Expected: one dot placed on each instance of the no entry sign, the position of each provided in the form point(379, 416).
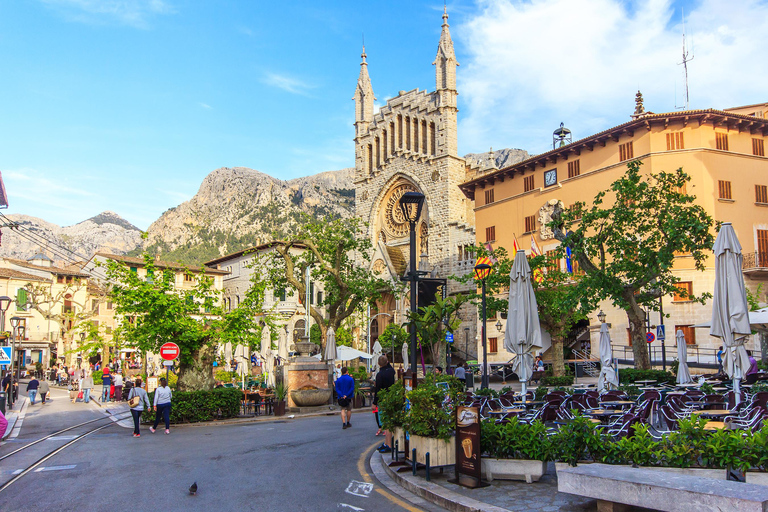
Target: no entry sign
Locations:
point(650, 337)
point(169, 351)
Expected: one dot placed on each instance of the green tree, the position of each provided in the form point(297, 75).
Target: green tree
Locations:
point(337, 256)
point(433, 321)
point(392, 339)
point(626, 242)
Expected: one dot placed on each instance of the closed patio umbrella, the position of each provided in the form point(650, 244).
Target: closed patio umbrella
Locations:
point(523, 332)
point(683, 375)
point(608, 377)
point(405, 357)
point(330, 345)
point(282, 345)
point(730, 311)
point(375, 358)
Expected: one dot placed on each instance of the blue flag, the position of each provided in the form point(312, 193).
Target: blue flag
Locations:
point(568, 262)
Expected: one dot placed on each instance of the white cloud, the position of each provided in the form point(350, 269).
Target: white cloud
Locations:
point(530, 65)
point(288, 84)
point(134, 13)
point(205, 106)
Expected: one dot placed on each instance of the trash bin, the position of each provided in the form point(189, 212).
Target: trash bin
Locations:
point(2, 402)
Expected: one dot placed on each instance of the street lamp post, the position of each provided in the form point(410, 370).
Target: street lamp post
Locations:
point(5, 302)
point(15, 321)
point(80, 352)
point(411, 204)
point(482, 271)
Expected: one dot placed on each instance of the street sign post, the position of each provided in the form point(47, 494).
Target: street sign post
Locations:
point(649, 337)
point(169, 351)
point(449, 337)
point(6, 356)
point(660, 333)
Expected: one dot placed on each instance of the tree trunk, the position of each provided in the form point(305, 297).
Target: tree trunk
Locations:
point(558, 357)
point(639, 345)
point(199, 374)
point(764, 347)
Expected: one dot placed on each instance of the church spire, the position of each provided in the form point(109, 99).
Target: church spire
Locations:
point(445, 62)
point(363, 98)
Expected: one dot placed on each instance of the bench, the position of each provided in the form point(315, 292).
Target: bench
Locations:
point(618, 487)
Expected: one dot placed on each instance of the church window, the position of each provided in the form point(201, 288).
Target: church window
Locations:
point(378, 153)
point(400, 131)
point(392, 131)
point(384, 143)
point(415, 135)
point(424, 137)
point(433, 138)
point(408, 133)
point(370, 158)
point(528, 183)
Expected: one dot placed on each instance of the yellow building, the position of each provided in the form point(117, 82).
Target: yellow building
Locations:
point(722, 151)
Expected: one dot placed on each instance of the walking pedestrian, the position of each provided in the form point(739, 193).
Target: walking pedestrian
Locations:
point(106, 381)
point(118, 387)
point(87, 385)
point(720, 359)
point(136, 410)
point(43, 389)
point(162, 406)
point(384, 379)
point(32, 387)
point(461, 374)
point(345, 391)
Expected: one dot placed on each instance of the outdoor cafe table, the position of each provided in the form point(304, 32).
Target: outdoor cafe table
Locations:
point(619, 403)
point(529, 403)
point(645, 382)
point(702, 404)
point(689, 385)
point(713, 413)
point(603, 414)
point(714, 425)
point(503, 413)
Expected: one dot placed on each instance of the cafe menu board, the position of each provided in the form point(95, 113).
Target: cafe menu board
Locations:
point(468, 465)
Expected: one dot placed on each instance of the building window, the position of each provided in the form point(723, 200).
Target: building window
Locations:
point(94, 305)
point(107, 330)
point(424, 148)
point(493, 345)
point(761, 194)
point(490, 234)
point(408, 133)
point(378, 152)
point(724, 188)
point(21, 299)
point(311, 292)
point(626, 151)
point(135, 270)
point(530, 223)
point(415, 135)
point(433, 138)
point(528, 183)
point(109, 304)
point(60, 279)
point(319, 298)
point(682, 190)
point(384, 144)
point(721, 141)
point(370, 157)
point(758, 148)
point(689, 332)
point(279, 295)
point(573, 169)
point(489, 196)
point(762, 247)
point(684, 291)
point(675, 141)
point(188, 278)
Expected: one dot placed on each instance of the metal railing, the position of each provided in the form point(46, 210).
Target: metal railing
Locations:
point(588, 365)
point(754, 260)
point(699, 357)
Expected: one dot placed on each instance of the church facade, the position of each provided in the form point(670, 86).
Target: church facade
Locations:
point(410, 144)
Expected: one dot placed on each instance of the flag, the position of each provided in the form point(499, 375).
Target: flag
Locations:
point(568, 262)
point(490, 253)
point(515, 247)
point(538, 276)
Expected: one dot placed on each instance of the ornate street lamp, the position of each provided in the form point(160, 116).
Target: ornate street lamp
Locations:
point(499, 326)
point(411, 204)
point(601, 316)
point(482, 271)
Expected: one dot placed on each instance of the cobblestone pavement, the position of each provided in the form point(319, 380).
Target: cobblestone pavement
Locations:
point(519, 496)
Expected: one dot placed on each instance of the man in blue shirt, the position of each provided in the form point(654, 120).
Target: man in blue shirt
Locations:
point(345, 391)
point(106, 380)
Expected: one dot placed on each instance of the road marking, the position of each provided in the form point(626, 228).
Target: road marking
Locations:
point(61, 438)
point(394, 499)
point(341, 505)
point(19, 421)
point(362, 489)
point(56, 468)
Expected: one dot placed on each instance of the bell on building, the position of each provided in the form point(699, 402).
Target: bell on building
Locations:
point(561, 137)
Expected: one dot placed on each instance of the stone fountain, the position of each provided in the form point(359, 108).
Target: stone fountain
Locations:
point(308, 379)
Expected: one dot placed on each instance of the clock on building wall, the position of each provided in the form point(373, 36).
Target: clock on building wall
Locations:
point(550, 177)
point(394, 222)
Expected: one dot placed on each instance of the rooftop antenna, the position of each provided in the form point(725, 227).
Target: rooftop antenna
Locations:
point(687, 57)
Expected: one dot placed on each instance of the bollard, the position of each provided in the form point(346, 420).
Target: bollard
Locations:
point(413, 461)
point(394, 452)
point(426, 460)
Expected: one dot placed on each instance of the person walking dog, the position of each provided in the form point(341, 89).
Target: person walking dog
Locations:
point(136, 400)
point(162, 406)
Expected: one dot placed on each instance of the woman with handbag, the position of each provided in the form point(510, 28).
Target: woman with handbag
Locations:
point(136, 400)
point(162, 406)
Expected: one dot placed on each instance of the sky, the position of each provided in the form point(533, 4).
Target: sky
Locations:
point(126, 105)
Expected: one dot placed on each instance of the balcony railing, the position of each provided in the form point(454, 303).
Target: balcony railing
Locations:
point(755, 260)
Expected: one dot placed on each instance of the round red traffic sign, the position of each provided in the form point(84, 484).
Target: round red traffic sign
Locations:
point(649, 337)
point(169, 351)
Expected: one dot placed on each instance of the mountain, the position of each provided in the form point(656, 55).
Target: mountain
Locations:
point(106, 231)
point(236, 208)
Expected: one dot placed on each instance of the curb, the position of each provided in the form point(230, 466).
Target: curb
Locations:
point(434, 493)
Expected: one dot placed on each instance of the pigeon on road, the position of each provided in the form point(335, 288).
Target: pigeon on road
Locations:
point(193, 489)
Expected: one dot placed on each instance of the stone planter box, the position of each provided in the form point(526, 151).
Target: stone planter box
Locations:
point(441, 453)
point(310, 397)
point(398, 436)
point(753, 477)
point(513, 469)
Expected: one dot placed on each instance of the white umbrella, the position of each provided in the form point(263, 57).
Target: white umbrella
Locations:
point(523, 329)
point(730, 311)
point(683, 375)
point(330, 345)
point(228, 353)
point(344, 353)
point(266, 342)
point(608, 377)
point(269, 365)
point(376, 355)
point(405, 356)
point(282, 345)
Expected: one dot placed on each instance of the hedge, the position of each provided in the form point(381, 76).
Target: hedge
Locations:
point(551, 380)
point(197, 406)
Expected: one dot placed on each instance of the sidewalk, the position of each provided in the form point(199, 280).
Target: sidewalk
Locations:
point(15, 417)
point(499, 496)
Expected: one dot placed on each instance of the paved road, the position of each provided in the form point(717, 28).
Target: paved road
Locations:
point(299, 464)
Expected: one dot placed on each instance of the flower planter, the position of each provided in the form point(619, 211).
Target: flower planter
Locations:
point(513, 469)
point(398, 436)
point(280, 408)
point(310, 397)
point(441, 453)
point(357, 402)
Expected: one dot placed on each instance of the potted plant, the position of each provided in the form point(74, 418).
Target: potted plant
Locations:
point(430, 423)
point(515, 450)
point(391, 403)
point(360, 374)
point(281, 392)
